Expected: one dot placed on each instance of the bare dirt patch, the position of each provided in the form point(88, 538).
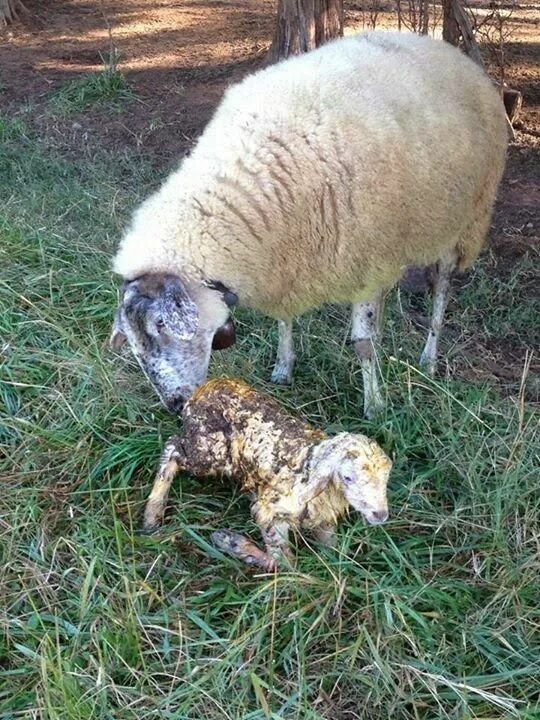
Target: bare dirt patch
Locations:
point(177, 58)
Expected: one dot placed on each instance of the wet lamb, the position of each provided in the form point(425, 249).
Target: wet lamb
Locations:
point(299, 478)
point(320, 179)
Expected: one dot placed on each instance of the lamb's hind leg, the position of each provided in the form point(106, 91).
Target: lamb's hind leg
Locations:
point(171, 463)
point(242, 548)
point(283, 369)
point(366, 321)
point(276, 540)
point(443, 273)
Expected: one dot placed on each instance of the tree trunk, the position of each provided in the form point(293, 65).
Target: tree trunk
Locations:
point(457, 26)
point(450, 31)
point(9, 9)
point(303, 25)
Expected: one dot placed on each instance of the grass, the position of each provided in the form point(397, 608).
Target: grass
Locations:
point(435, 615)
point(106, 87)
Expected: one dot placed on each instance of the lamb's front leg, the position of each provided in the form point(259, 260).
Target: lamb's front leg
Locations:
point(172, 461)
point(283, 369)
point(276, 540)
point(325, 535)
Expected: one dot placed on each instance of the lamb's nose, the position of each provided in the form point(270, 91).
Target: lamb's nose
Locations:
point(379, 516)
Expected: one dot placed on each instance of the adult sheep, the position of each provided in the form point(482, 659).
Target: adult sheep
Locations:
point(319, 179)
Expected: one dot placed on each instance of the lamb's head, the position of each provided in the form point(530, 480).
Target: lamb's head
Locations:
point(362, 470)
point(358, 467)
point(171, 331)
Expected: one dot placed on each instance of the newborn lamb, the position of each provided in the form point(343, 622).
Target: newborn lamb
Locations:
point(298, 477)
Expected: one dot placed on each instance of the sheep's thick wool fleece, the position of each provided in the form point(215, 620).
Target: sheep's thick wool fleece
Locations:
point(322, 177)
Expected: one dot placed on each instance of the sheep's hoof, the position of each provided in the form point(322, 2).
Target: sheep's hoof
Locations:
point(428, 364)
point(281, 376)
point(373, 406)
point(372, 412)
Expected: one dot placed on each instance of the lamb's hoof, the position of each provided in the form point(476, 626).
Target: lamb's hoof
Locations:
point(281, 376)
point(239, 547)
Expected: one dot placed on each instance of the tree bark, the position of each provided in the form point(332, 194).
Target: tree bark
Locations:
point(450, 30)
point(303, 25)
point(9, 9)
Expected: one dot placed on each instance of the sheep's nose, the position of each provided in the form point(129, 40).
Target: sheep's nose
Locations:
point(379, 516)
point(176, 405)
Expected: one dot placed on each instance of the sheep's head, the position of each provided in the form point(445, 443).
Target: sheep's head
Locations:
point(362, 471)
point(171, 331)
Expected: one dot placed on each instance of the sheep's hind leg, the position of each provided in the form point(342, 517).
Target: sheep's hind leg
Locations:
point(170, 465)
point(366, 321)
point(283, 369)
point(238, 546)
point(428, 359)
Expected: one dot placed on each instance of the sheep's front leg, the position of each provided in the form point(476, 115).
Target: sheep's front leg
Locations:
point(242, 548)
point(366, 320)
point(428, 359)
point(283, 369)
point(172, 461)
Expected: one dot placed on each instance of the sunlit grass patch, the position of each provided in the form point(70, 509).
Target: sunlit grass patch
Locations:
point(107, 87)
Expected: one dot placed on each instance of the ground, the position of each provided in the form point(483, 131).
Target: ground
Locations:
point(178, 58)
point(436, 614)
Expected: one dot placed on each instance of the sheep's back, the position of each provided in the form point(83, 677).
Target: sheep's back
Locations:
point(322, 177)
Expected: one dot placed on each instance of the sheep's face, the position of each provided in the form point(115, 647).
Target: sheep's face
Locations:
point(171, 333)
point(363, 474)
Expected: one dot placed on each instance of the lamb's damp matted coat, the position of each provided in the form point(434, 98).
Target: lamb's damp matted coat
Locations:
point(293, 472)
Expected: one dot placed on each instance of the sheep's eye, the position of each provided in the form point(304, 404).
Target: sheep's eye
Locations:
point(348, 479)
point(160, 324)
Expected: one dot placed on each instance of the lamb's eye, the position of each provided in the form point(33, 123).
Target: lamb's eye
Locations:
point(160, 324)
point(348, 479)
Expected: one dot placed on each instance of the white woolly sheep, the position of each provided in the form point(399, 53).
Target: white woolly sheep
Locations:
point(298, 477)
point(319, 179)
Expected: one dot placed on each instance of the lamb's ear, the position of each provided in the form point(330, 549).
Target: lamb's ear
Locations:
point(117, 338)
point(316, 484)
point(225, 336)
point(178, 311)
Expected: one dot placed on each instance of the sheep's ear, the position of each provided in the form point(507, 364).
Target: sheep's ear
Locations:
point(118, 337)
point(178, 311)
point(225, 336)
point(230, 298)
